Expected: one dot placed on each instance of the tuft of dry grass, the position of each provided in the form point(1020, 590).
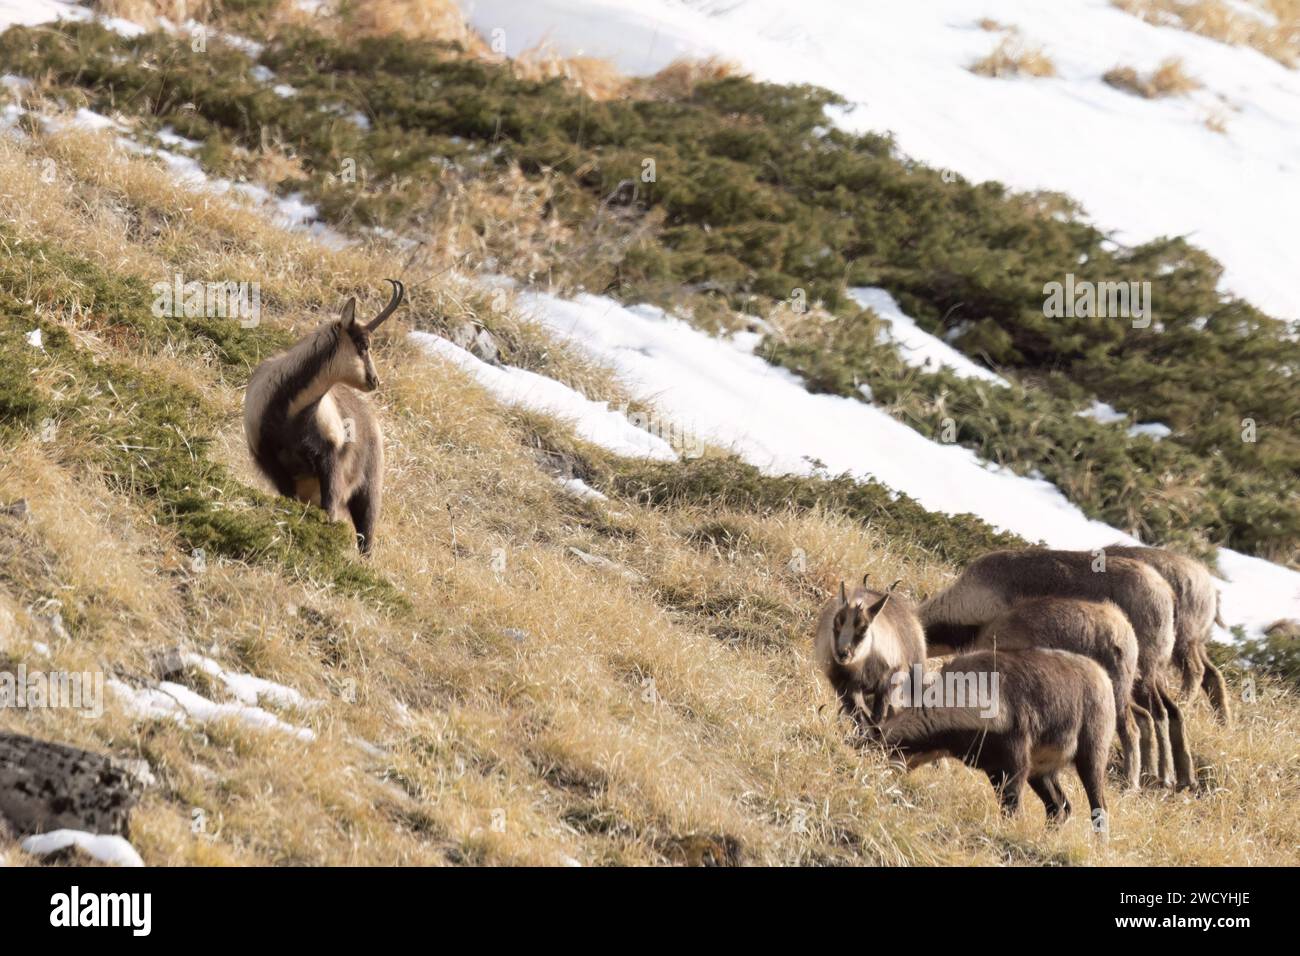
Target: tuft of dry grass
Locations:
point(1012, 57)
point(592, 76)
point(439, 20)
point(1270, 26)
point(678, 80)
point(1168, 79)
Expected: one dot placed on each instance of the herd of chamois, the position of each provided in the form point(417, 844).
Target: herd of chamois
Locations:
point(1086, 647)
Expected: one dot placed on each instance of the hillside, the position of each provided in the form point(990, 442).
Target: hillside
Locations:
point(576, 642)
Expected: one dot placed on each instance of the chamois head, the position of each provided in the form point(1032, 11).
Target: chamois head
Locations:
point(853, 622)
point(353, 364)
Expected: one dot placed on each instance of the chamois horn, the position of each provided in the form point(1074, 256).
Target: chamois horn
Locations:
point(398, 291)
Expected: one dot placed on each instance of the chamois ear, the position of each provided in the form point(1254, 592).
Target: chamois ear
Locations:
point(349, 313)
point(880, 605)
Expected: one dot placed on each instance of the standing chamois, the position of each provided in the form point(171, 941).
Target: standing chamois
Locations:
point(310, 433)
point(861, 642)
point(993, 583)
point(1097, 630)
point(1053, 708)
point(1196, 611)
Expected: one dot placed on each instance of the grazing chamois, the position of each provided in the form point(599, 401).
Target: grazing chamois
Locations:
point(1053, 708)
point(862, 640)
point(1196, 611)
point(308, 429)
point(1096, 629)
point(991, 584)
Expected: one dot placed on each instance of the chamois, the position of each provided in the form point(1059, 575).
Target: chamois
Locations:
point(1196, 611)
point(994, 582)
point(1053, 708)
point(861, 641)
point(308, 429)
point(1097, 630)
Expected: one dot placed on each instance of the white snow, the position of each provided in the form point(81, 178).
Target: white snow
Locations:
point(32, 12)
point(113, 850)
point(580, 489)
point(737, 400)
point(1142, 168)
point(1156, 430)
point(1107, 414)
point(1103, 412)
point(172, 701)
point(247, 688)
point(917, 347)
point(594, 421)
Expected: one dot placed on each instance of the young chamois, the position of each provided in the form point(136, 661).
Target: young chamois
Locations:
point(1096, 629)
point(993, 583)
point(308, 429)
point(861, 642)
point(1196, 611)
point(1053, 708)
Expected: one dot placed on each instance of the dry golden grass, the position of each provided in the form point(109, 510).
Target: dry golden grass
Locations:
point(1013, 57)
point(592, 76)
point(678, 80)
point(1168, 79)
point(676, 718)
point(1274, 31)
point(440, 20)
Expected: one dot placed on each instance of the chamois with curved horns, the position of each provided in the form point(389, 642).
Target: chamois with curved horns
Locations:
point(1051, 709)
point(1096, 629)
point(993, 583)
point(308, 428)
point(861, 641)
point(1196, 611)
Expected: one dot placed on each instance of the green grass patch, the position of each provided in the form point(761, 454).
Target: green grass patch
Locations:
point(149, 435)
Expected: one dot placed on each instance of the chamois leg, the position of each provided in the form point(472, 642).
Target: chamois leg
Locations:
point(1182, 756)
point(1126, 730)
point(1090, 763)
point(880, 706)
point(1153, 702)
point(1194, 671)
point(1009, 782)
point(363, 519)
point(329, 490)
point(1054, 781)
point(1147, 732)
point(1215, 688)
point(1058, 808)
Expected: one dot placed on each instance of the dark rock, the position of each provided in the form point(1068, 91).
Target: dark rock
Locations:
point(46, 786)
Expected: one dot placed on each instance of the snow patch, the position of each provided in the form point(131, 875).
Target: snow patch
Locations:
point(917, 347)
point(594, 421)
point(110, 849)
point(765, 414)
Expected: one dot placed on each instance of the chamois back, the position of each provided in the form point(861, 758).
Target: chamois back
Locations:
point(1053, 708)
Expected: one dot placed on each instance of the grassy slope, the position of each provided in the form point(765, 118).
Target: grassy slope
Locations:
point(753, 199)
point(677, 718)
